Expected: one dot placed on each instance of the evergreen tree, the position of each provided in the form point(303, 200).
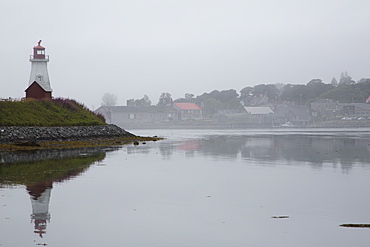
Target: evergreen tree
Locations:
point(345, 79)
point(334, 82)
point(165, 99)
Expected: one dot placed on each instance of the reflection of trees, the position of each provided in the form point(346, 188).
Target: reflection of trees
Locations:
point(227, 146)
point(315, 150)
point(24, 168)
point(312, 149)
point(166, 150)
point(318, 150)
point(143, 149)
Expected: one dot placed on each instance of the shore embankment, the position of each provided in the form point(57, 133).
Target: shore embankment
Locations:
point(19, 134)
point(32, 138)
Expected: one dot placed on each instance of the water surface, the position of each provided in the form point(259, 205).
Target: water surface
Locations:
point(195, 188)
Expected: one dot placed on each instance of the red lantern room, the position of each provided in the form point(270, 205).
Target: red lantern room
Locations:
point(39, 51)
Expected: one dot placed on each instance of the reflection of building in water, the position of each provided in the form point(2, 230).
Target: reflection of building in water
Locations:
point(40, 198)
point(190, 145)
point(40, 169)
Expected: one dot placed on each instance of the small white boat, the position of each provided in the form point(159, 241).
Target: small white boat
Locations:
point(288, 125)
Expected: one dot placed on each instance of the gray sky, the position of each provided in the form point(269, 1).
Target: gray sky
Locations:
point(132, 48)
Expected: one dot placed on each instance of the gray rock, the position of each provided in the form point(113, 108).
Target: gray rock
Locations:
point(33, 134)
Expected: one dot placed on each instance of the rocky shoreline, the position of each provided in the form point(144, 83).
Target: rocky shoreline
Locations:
point(73, 133)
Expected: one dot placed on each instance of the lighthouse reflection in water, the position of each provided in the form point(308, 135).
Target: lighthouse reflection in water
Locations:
point(38, 171)
point(40, 198)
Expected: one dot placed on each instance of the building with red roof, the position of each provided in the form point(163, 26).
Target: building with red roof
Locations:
point(188, 110)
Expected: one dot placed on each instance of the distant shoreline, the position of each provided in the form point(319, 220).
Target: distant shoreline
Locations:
point(324, 124)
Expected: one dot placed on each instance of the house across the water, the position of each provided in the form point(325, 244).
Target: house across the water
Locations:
point(123, 115)
point(188, 110)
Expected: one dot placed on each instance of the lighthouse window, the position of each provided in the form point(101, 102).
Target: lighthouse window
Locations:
point(40, 52)
point(39, 78)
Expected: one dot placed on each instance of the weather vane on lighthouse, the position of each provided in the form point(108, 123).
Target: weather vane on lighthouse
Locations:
point(39, 83)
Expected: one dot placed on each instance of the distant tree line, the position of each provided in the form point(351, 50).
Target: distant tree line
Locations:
point(345, 91)
point(145, 101)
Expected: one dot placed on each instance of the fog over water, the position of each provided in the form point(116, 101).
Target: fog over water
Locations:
point(195, 188)
point(132, 48)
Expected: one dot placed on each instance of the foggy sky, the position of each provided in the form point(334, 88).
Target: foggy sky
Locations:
point(132, 48)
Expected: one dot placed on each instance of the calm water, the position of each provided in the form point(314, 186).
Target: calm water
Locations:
point(196, 188)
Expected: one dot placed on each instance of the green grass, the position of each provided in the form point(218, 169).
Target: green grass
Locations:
point(47, 113)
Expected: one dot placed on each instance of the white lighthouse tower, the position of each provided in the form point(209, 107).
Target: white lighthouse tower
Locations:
point(39, 83)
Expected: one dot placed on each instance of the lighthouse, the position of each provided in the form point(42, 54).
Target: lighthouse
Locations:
point(39, 83)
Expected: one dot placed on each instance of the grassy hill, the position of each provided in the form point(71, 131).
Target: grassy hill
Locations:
point(47, 113)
